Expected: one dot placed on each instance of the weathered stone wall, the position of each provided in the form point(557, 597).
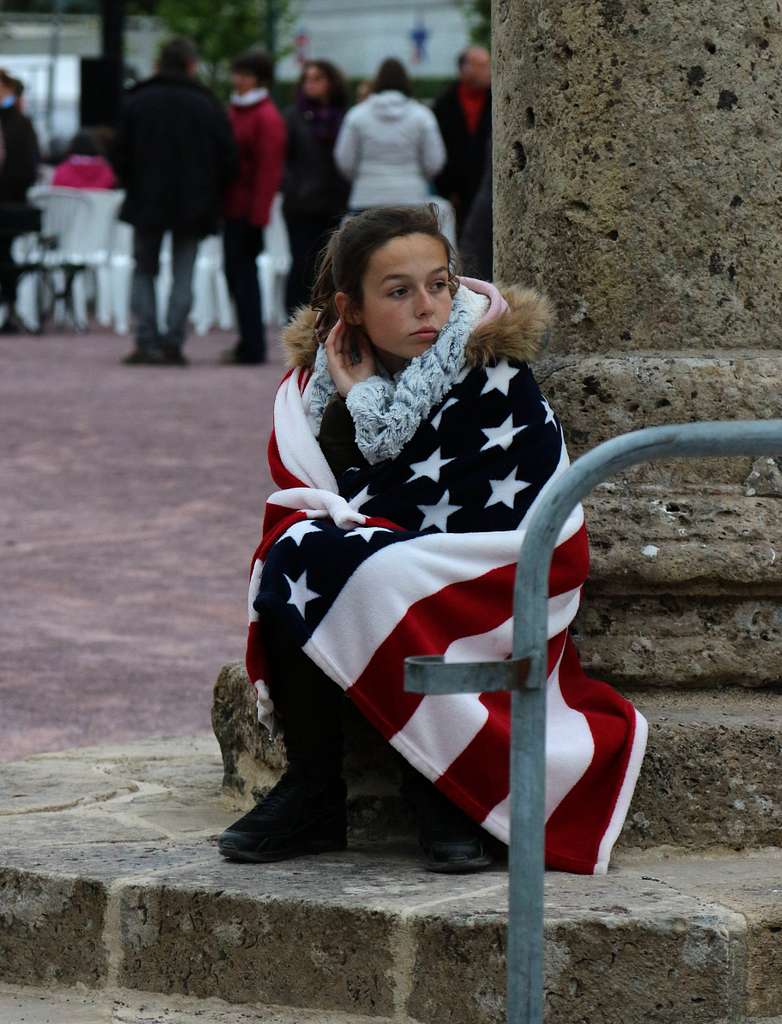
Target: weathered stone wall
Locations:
point(637, 168)
point(638, 181)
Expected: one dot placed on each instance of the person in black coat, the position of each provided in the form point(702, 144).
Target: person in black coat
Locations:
point(175, 156)
point(477, 237)
point(464, 115)
point(18, 171)
point(315, 195)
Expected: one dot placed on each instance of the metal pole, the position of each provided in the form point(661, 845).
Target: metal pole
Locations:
point(271, 27)
point(530, 640)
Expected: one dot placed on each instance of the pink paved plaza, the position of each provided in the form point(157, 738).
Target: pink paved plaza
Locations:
point(130, 503)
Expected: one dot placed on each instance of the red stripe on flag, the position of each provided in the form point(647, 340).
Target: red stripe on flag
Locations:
point(579, 822)
point(478, 779)
point(430, 626)
point(280, 475)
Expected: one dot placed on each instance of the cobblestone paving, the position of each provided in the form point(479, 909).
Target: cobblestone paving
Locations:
point(130, 501)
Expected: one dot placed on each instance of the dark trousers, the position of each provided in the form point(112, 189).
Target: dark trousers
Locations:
point(146, 252)
point(242, 244)
point(307, 237)
point(308, 704)
point(9, 278)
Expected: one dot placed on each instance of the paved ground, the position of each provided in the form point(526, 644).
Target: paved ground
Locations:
point(130, 502)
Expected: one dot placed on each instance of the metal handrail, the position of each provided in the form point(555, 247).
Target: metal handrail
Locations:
point(525, 673)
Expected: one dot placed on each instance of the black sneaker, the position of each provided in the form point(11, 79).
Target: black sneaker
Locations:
point(452, 843)
point(174, 356)
point(12, 326)
point(302, 814)
point(144, 357)
point(236, 355)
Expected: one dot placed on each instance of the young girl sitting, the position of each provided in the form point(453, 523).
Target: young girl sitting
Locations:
point(410, 442)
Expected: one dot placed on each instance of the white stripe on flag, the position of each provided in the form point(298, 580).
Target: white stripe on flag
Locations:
point(365, 611)
point(569, 752)
point(439, 729)
point(299, 450)
point(497, 643)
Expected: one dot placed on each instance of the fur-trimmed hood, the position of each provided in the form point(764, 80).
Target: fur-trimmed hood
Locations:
point(516, 334)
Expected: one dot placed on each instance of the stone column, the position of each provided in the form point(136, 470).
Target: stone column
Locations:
point(638, 181)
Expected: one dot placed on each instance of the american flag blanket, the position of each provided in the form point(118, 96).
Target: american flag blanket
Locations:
point(416, 555)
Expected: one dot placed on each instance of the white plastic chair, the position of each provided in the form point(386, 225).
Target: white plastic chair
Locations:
point(121, 265)
point(66, 220)
point(273, 266)
point(105, 206)
point(211, 302)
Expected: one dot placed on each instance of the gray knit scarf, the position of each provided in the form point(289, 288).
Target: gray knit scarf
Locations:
point(387, 410)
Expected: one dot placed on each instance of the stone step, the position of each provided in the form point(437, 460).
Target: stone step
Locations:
point(685, 588)
point(600, 396)
point(710, 779)
point(22, 1005)
point(121, 890)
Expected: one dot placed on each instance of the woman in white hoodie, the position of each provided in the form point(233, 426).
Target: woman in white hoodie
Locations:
point(390, 145)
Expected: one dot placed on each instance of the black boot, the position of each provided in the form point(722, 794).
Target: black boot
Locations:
point(452, 843)
point(306, 810)
point(304, 813)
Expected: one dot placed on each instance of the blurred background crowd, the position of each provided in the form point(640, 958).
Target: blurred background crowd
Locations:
point(214, 160)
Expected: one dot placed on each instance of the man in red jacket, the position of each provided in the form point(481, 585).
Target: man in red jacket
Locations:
point(260, 136)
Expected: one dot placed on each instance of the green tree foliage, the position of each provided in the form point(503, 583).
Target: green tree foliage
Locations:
point(225, 28)
point(478, 14)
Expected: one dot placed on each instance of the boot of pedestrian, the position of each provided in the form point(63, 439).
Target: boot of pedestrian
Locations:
point(451, 842)
point(304, 813)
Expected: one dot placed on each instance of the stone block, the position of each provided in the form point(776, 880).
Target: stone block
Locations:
point(681, 642)
point(598, 397)
point(618, 950)
point(711, 773)
point(755, 893)
point(256, 949)
point(51, 929)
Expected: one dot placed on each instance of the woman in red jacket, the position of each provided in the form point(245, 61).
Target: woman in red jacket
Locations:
point(260, 136)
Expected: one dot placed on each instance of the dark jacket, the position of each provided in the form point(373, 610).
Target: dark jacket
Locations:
point(175, 155)
point(259, 131)
point(20, 166)
point(476, 242)
point(312, 185)
point(461, 176)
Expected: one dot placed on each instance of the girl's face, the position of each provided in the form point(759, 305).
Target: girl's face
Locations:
point(406, 298)
point(315, 84)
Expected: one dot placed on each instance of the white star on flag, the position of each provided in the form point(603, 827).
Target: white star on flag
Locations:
point(366, 532)
point(503, 492)
point(437, 515)
point(301, 595)
point(430, 467)
point(298, 531)
point(361, 498)
point(502, 435)
point(549, 411)
point(436, 420)
point(498, 377)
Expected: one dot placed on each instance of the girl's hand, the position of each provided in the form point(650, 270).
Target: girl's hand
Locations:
point(339, 356)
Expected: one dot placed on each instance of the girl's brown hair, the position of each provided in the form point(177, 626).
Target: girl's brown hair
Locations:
point(344, 261)
point(338, 90)
point(392, 75)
